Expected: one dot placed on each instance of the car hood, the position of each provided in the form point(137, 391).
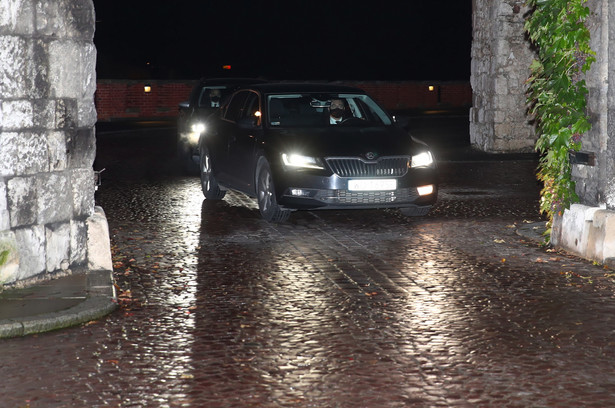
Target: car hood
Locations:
point(343, 141)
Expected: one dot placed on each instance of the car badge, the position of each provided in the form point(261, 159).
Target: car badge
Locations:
point(370, 155)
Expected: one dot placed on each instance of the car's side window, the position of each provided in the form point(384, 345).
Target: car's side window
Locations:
point(251, 109)
point(233, 112)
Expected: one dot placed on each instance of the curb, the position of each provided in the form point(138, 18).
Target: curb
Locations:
point(100, 299)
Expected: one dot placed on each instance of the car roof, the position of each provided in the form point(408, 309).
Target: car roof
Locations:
point(285, 87)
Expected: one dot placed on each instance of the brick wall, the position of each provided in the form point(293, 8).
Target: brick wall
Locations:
point(124, 99)
point(118, 99)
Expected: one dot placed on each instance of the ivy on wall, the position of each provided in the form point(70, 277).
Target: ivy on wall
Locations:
point(557, 94)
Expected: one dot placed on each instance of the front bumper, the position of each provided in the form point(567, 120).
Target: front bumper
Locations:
point(305, 191)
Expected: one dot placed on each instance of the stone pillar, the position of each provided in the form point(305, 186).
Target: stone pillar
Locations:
point(596, 182)
point(501, 57)
point(47, 141)
point(588, 228)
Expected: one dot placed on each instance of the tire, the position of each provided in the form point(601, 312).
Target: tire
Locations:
point(415, 211)
point(211, 189)
point(265, 195)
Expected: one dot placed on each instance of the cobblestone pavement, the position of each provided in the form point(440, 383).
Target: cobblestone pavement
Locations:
point(331, 309)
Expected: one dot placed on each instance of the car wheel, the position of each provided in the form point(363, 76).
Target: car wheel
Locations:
point(415, 211)
point(211, 189)
point(265, 195)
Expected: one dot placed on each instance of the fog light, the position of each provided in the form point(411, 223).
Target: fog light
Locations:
point(425, 190)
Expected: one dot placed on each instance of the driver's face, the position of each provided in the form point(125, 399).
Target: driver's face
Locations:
point(336, 104)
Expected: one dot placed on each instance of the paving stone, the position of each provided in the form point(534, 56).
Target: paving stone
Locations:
point(333, 308)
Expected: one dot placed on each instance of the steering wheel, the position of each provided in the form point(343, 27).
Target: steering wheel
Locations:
point(351, 120)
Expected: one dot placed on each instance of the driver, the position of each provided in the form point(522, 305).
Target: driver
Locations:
point(214, 97)
point(337, 109)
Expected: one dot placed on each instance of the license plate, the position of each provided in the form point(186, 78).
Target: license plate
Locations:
point(372, 185)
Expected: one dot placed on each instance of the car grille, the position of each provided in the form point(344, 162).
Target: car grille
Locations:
point(357, 167)
point(345, 197)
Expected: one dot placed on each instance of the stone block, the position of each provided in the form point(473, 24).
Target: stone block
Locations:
point(38, 70)
point(13, 65)
point(81, 19)
point(81, 148)
point(4, 207)
point(9, 257)
point(17, 114)
point(574, 229)
point(72, 19)
point(66, 114)
point(57, 249)
point(605, 220)
point(99, 245)
point(83, 192)
point(586, 231)
point(78, 242)
point(56, 145)
point(31, 247)
point(89, 54)
point(86, 116)
point(44, 113)
point(50, 19)
point(21, 193)
point(501, 86)
point(16, 17)
point(72, 71)
point(609, 193)
point(54, 200)
point(32, 154)
point(22, 154)
point(500, 116)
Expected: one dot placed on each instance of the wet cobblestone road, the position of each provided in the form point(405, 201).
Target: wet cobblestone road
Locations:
point(331, 309)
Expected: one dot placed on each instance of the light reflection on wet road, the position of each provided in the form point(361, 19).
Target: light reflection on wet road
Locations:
point(333, 308)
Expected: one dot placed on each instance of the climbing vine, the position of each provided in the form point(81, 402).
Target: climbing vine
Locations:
point(557, 94)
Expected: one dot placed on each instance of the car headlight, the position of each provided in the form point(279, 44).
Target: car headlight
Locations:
point(198, 128)
point(195, 132)
point(424, 159)
point(300, 161)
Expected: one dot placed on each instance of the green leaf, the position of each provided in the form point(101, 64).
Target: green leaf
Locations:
point(556, 96)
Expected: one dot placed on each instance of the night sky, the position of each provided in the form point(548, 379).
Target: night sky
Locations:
point(292, 39)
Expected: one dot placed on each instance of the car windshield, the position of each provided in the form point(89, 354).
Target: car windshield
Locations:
point(213, 96)
point(310, 109)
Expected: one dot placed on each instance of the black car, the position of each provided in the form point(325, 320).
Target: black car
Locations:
point(309, 146)
point(205, 98)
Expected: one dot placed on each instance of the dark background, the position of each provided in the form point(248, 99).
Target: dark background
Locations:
point(295, 39)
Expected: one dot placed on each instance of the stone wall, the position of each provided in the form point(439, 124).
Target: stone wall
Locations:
point(47, 141)
point(588, 229)
point(501, 57)
point(594, 182)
